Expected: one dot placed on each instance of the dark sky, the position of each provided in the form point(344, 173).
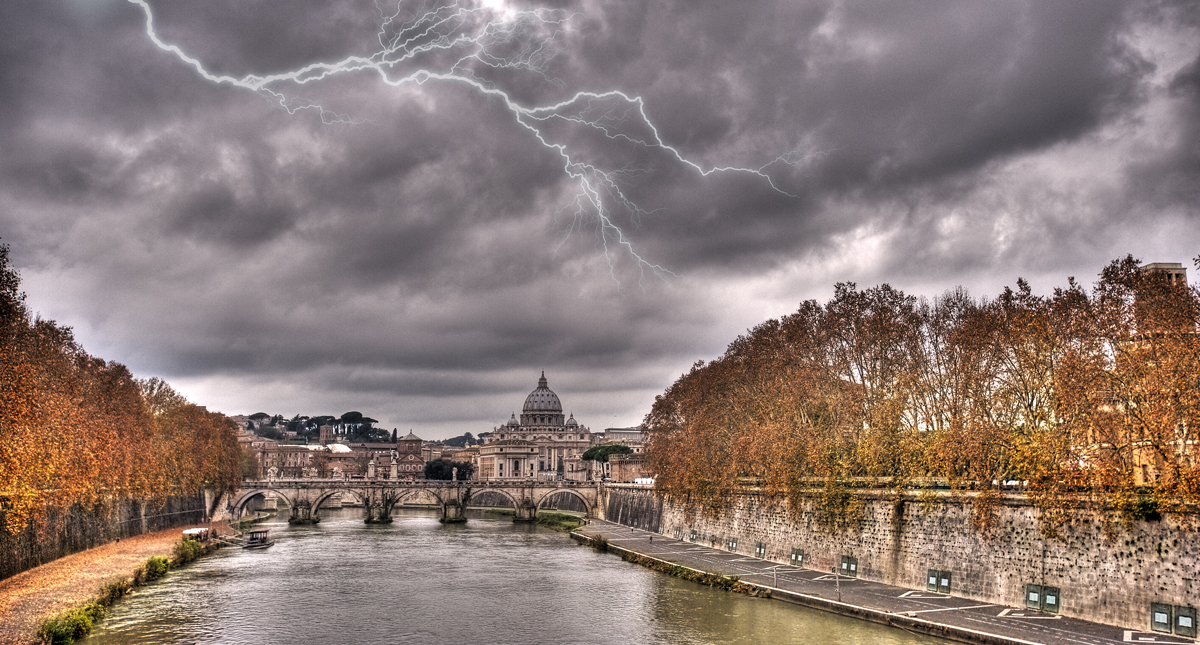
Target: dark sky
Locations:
point(420, 246)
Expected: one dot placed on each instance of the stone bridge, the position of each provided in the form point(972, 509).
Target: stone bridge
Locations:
point(379, 496)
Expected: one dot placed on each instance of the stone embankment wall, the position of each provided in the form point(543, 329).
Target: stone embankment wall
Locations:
point(897, 543)
point(633, 505)
point(66, 531)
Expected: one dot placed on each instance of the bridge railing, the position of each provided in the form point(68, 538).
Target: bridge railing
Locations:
point(429, 483)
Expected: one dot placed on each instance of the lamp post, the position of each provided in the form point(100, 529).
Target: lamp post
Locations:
point(775, 574)
point(837, 582)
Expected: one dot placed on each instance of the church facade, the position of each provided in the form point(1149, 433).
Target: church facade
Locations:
point(544, 443)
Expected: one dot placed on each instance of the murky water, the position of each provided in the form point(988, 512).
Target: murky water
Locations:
point(418, 581)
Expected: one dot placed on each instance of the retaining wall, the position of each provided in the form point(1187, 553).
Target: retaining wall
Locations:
point(897, 543)
point(65, 531)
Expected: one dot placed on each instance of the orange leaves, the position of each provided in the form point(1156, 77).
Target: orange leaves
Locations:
point(75, 429)
point(1076, 392)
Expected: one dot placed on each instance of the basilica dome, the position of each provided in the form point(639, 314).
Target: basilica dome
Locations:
point(542, 400)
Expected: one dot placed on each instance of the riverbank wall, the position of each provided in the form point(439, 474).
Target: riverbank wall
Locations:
point(902, 541)
point(63, 531)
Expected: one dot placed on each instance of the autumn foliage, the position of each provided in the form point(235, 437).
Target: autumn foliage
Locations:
point(76, 429)
point(1085, 397)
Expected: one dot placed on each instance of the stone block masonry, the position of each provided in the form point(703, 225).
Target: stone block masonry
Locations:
point(898, 542)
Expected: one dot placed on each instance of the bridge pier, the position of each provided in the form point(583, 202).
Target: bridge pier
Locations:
point(525, 511)
point(378, 513)
point(302, 513)
point(453, 513)
point(303, 496)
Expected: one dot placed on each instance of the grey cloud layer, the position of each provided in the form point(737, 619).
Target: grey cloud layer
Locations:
point(198, 231)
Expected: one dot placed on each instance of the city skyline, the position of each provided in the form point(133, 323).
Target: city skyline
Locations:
point(416, 252)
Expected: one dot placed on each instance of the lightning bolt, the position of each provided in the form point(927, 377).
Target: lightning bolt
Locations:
point(467, 38)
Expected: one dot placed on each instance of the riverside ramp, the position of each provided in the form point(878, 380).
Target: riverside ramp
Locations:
point(943, 616)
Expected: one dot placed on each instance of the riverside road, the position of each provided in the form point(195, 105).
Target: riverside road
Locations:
point(919, 611)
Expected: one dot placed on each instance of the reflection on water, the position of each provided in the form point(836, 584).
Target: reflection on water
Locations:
point(418, 581)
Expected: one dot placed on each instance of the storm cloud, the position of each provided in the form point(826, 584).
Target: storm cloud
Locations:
point(414, 252)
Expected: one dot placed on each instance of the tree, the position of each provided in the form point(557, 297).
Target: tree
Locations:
point(12, 301)
point(443, 469)
point(602, 451)
point(1080, 392)
point(248, 464)
point(77, 429)
point(159, 396)
point(461, 441)
point(321, 462)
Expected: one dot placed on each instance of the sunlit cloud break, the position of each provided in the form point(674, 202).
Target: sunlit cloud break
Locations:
point(450, 43)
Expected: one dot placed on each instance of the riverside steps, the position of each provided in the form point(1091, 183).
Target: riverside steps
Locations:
point(943, 616)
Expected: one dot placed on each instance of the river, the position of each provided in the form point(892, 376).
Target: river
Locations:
point(488, 581)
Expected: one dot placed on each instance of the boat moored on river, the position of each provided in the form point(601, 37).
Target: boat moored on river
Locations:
point(258, 539)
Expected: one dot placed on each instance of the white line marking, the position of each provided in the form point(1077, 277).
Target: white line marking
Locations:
point(926, 611)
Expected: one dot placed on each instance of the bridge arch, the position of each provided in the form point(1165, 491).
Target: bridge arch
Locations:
point(406, 495)
point(516, 502)
point(587, 506)
point(316, 505)
point(379, 496)
point(235, 509)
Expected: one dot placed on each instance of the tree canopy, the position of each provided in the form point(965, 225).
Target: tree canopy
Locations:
point(443, 469)
point(602, 451)
point(461, 441)
point(1093, 393)
point(76, 429)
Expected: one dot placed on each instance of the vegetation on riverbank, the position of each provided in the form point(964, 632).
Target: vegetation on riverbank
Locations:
point(1091, 395)
point(80, 431)
point(564, 522)
point(707, 578)
point(77, 622)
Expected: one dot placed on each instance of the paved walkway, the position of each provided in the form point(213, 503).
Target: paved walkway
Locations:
point(30, 596)
point(924, 612)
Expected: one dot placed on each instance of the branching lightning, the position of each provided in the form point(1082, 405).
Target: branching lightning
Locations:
point(466, 38)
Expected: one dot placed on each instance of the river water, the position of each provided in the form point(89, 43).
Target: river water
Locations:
point(489, 581)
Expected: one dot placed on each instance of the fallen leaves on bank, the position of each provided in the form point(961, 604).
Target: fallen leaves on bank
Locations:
point(30, 596)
